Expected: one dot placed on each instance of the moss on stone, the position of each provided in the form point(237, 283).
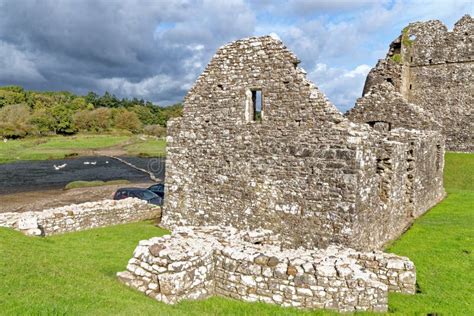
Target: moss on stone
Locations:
point(396, 58)
point(406, 41)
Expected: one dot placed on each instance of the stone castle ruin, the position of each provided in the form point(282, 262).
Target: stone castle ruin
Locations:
point(273, 195)
point(259, 146)
point(425, 81)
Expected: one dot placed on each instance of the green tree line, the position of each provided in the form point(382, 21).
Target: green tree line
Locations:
point(25, 113)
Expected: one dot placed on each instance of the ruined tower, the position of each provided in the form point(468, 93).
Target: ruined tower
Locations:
point(433, 69)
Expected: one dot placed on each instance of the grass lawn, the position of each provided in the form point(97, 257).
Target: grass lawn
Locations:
point(147, 148)
point(75, 273)
point(59, 147)
point(96, 183)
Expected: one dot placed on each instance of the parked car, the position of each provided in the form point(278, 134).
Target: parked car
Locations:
point(142, 194)
point(158, 189)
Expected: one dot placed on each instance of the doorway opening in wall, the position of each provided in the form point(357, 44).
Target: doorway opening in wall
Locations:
point(257, 102)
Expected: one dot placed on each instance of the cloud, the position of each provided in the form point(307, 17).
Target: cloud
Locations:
point(156, 49)
point(16, 66)
point(95, 44)
point(341, 86)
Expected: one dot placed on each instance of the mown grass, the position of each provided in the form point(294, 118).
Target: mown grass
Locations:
point(75, 273)
point(441, 244)
point(59, 147)
point(96, 183)
point(83, 142)
point(147, 148)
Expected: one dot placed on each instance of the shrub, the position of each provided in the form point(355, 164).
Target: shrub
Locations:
point(155, 130)
point(127, 120)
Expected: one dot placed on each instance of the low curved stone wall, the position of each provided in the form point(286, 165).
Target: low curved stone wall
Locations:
point(83, 216)
point(197, 262)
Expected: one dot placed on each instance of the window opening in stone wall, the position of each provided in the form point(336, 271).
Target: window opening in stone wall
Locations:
point(439, 157)
point(410, 86)
point(257, 102)
point(389, 80)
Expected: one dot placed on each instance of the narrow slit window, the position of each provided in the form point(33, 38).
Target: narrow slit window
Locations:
point(257, 102)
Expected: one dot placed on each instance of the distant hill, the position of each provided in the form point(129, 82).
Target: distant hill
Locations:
point(24, 113)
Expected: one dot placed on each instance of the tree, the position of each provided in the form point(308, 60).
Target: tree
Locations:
point(144, 114)
point(107, 100)
point(11, 95)
point(15, 121)
point(43, 121)
point(62, 119)
point(127, 120)
point(91, 97)
point(97, 120)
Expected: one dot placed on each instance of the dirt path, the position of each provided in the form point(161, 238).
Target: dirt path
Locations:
point(40, 200)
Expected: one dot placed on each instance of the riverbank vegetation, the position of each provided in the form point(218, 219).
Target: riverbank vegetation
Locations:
point(29, 113)
point(75, 273)
point(90, 184)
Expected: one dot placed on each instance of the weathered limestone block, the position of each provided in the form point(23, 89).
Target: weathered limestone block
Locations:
point(77, 217)
point(222, 261)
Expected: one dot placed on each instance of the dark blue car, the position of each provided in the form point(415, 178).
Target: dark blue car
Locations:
point(142, 194)
point(158, 189)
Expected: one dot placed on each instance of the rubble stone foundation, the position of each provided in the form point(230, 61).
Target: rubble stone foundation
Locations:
point(198, 262)
point(77, 217)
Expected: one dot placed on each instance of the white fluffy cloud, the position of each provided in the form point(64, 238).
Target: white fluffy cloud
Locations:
point(341, 86)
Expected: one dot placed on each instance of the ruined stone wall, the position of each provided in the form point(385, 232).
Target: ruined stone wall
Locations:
point(384, 108)
point(197, 262)
point(303, 171)
point(83, 216)
point(434, 69)
point(423, 164)
point(406, 182)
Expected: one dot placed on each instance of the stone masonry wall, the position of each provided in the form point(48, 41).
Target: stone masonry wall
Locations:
point(83, 216)
point(384, 108)
point(198, 262)
point(406, 182)
point(434, 69)
point(303, 170)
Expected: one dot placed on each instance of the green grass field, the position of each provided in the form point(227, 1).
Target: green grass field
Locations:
point(96, 183)
point(147, 148)
point(75, 273)
point(59, 147)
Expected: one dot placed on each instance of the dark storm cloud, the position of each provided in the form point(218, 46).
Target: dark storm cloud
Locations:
point(155, 49)
point(115, 45)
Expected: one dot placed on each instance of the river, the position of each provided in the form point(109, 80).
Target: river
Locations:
point(27, 176)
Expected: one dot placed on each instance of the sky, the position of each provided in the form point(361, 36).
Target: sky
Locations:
point(155, 49)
